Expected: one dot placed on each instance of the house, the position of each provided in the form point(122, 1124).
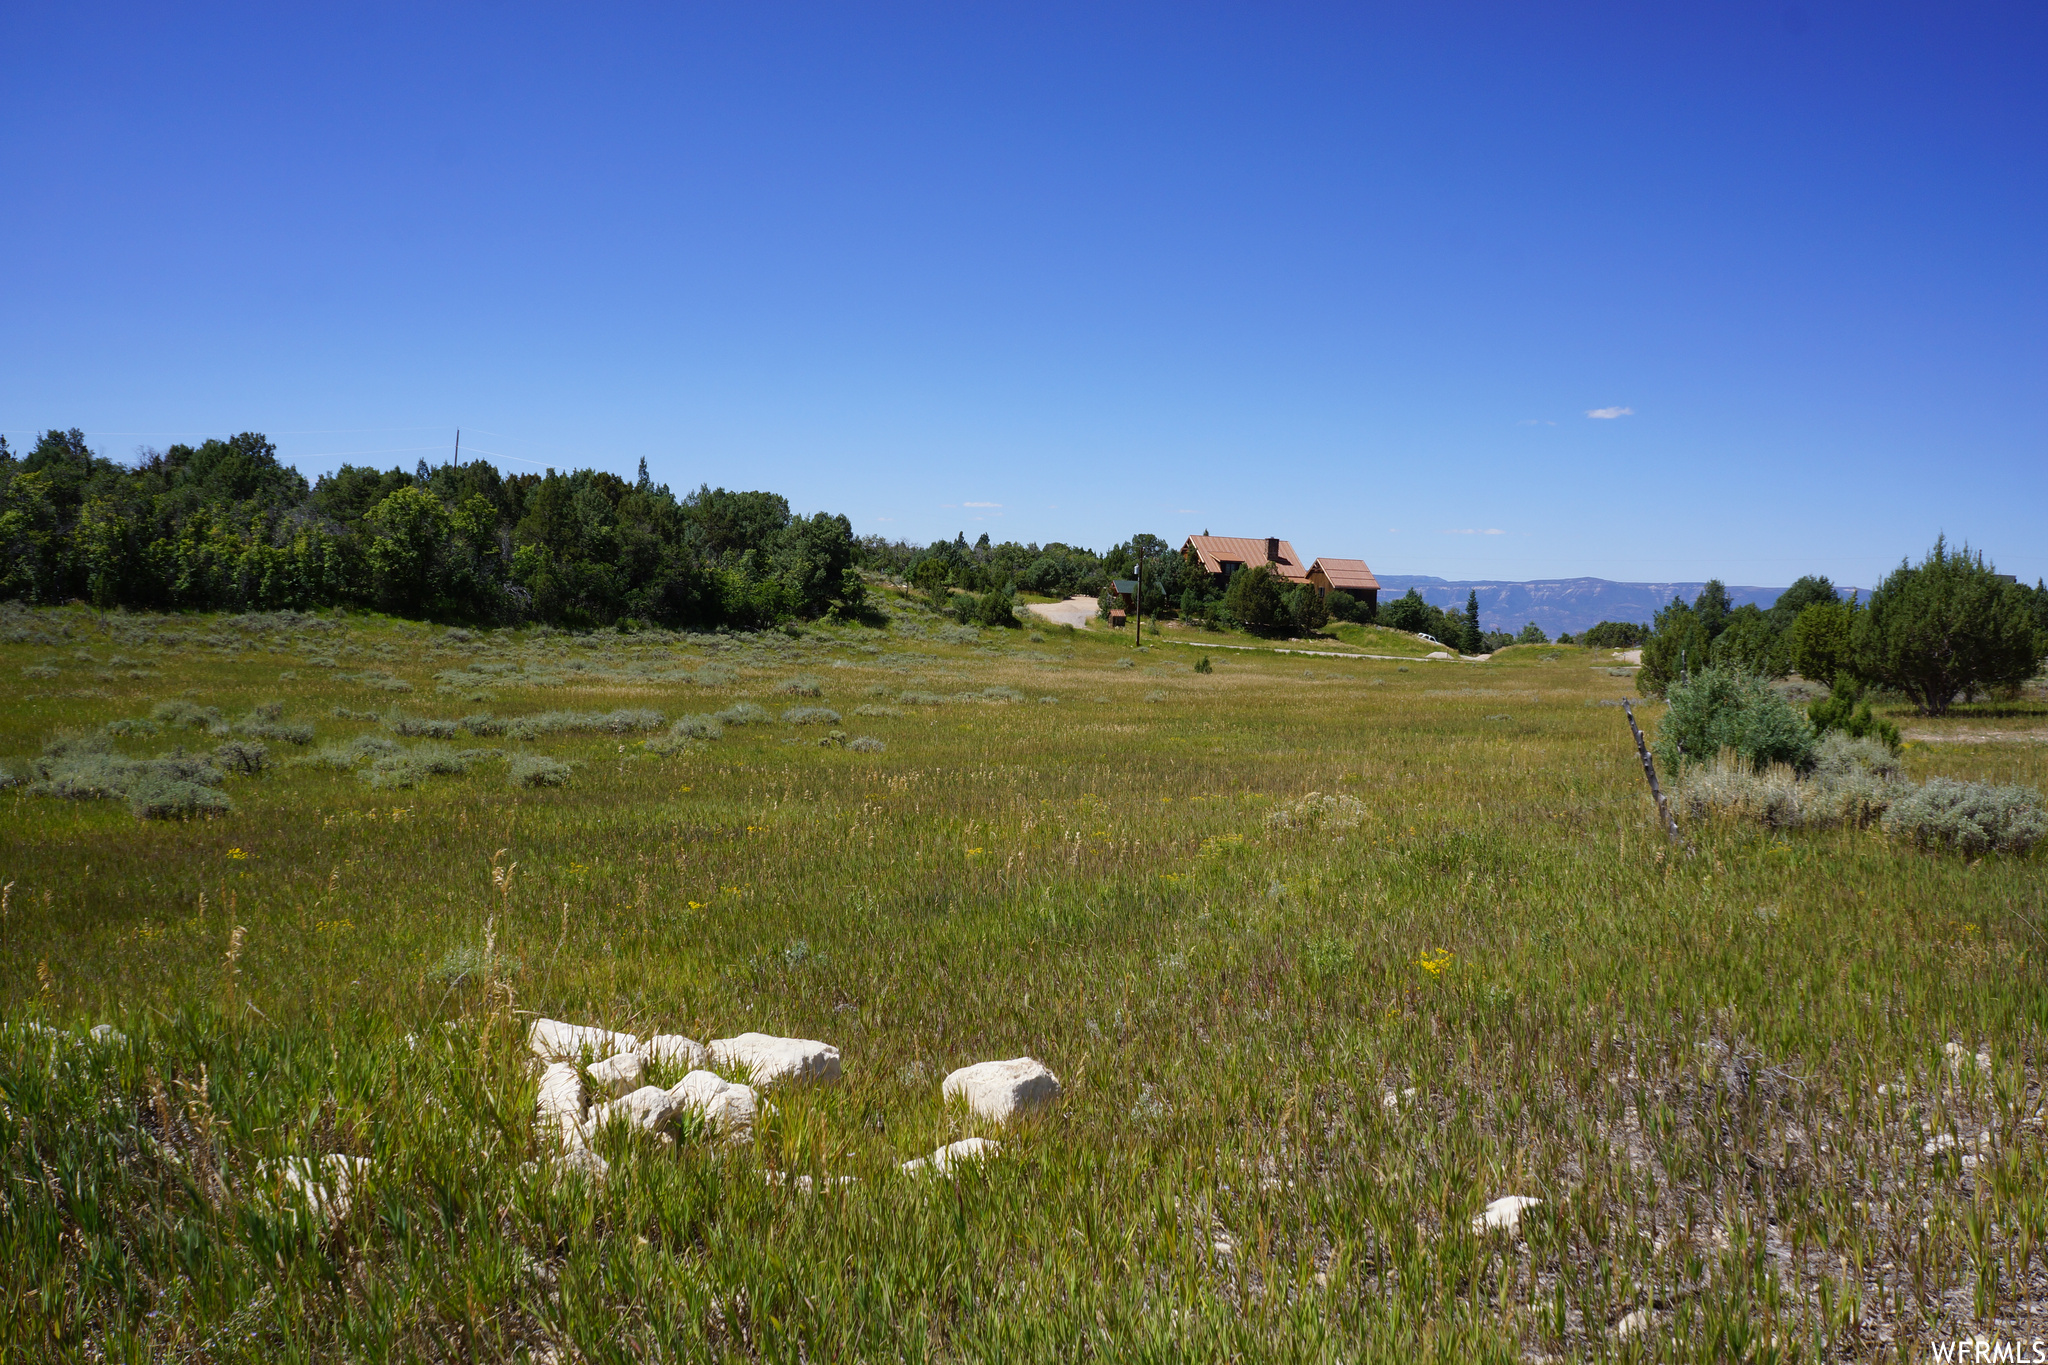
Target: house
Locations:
point(1222, 556)
point(1348, 575)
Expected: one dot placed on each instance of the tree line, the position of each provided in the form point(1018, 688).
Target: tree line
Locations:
point(225, 526)
point(1948, 628)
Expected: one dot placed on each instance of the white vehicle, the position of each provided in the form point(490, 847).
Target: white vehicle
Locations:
point(1431, 638)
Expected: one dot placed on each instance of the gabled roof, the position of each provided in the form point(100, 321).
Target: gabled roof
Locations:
point(1215, 551)
point(1347, 574)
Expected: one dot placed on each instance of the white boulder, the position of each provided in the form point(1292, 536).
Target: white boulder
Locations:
point(560, 1105)
point(769, 1060)
point(1503, 1214)
point(728, 1109)
point(557, 1041)
point(952, 1154)
point(619, 1075)
point(650, 1107)
point(998, 1091)
point(1635, 1324)
point(673, 1049)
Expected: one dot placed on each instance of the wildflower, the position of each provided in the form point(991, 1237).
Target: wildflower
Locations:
point(1435, 963)
point(237, 854)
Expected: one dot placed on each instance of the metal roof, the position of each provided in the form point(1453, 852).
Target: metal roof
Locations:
point(1215, 551)
point(1347, 574)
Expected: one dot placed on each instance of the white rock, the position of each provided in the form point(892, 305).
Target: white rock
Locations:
point(728, 1109)
point(769, 1059)
point(999, 1091)
point(1635, 1324)
point(557, 1041)
point(106, 1035)
point(559, 1108)
point(325, 1186)
point(1959, 1058)
point(619, 1075)
point(1503, 1214)
point(953, 1153)
point(803, 1184)
point(650, 1107)
point(673, 1049)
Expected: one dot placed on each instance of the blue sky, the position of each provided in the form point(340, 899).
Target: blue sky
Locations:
point(1351, 275)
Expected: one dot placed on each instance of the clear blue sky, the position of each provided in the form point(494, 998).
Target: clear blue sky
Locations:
point(1351, 275)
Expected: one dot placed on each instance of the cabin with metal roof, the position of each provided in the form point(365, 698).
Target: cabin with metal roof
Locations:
point(1222, 556)
point(1350, 576)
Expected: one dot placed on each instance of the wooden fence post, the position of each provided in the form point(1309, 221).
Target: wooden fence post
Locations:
point(1650, 771)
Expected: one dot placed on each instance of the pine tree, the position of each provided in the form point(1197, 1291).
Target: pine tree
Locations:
point(1474, 640)
point(641, 482)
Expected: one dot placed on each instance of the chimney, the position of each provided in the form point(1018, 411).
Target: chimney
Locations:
point(1272, 549)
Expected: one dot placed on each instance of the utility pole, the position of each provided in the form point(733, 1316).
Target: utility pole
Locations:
point(458, 446)
point(1139, 605)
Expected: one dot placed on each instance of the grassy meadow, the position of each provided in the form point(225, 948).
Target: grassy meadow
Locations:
point(1302, 1042)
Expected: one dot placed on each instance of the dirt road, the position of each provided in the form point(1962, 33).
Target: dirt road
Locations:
point(1075, 611)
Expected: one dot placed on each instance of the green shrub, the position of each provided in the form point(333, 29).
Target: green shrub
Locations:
point(810, 715)
point(1734, 712)
point(418, 727)
point(800, 686)
point(241, 757)
point(697, 727)
point(866, 744)
point(1846, 710)
point(156, 796)
point(1676, 648)
point(1253, 599)
point(267, 722)
point(1306, 607)
point(744, 713)
point(1969, 817)
point(537, 770)
point(185, 715)
point(1202, 665)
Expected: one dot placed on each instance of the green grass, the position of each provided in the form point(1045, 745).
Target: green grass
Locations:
point(1681, 1055)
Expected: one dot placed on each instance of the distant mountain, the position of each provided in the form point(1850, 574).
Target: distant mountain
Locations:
point(1560, 604)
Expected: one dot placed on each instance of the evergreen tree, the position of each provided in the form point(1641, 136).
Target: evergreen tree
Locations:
point(1475, 639)
point(1711, 609)
point(1947, 627)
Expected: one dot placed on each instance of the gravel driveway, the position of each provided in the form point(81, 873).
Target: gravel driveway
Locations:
point(1075, 611)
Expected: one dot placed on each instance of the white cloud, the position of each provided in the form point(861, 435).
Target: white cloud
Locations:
point(1535, 422)
point(1186, 512)
point(1609, 414)
point(1469, 531)
point(981, 504)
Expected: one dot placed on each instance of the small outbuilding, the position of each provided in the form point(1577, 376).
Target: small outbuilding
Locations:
point(1350, 576)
